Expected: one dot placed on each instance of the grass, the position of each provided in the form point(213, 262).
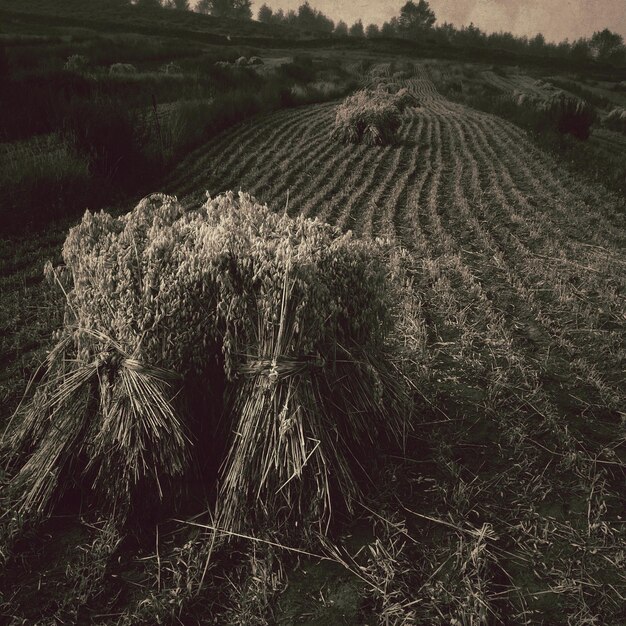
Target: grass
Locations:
point(114, 144)
point(47, 174)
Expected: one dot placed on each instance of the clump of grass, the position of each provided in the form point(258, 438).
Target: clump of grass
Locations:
point(122, 68)
point(616, 120)
point(76, 63)
point(45, 174)
point(369, 116)
point(287, 318)
point(171, 68)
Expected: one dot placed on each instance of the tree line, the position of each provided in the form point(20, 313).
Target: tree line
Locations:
point(417, 22)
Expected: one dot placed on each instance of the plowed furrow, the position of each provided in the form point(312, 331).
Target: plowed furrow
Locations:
point(556, 191)
point(258, 156)
point(395, 197)
point(276, 174)
point(360, 210)
point(521, 271)
point(407, 225)
point(231, 144)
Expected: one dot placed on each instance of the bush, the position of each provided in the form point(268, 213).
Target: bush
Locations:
point(286, 320)
point(564, 113)
point(571, 115)
point(301, 70)
point(171, 68)
point(370, 116)
point(122, 68)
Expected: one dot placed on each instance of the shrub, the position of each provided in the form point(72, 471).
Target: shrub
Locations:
point(571, 115)
point(76, 63)
point(241, 61)
point(122, 68)
point(171, 68)
point(286, 319)
point(367, 116)
point(255, 61)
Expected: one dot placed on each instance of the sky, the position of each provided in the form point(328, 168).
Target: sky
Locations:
point(556, 19)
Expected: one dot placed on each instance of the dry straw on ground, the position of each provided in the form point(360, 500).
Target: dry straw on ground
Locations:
point(286, 317)
point(369, 116)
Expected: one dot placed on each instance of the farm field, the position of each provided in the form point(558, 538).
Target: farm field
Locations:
point(520, 272)
point(506, 505)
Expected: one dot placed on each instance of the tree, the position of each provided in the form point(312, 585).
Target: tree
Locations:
point(537, 44)
point(306, 17)
point(341, 30)
point(416, 18)
point(390, 28)
point(266, 15)
point(606, 45)
point(372, 31)
point(236, 9)
point(356, 30)
point(581, 52)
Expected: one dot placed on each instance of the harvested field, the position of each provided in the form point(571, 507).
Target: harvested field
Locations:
point(506, 507)
point(520, 273)
point(538, 251)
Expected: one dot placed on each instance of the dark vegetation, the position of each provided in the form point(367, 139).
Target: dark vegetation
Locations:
point(560, 124)
point(115, 133)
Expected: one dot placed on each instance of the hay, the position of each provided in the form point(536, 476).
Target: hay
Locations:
point(288, 318)
point(404, 99)
point(369, 116)
point(568, 114)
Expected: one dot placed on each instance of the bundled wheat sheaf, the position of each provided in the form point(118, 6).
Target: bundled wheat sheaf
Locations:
point(369, 116)
point(569, 113)
point(298, 318)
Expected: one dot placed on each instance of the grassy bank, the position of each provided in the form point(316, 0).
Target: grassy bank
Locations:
point(83, 136)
